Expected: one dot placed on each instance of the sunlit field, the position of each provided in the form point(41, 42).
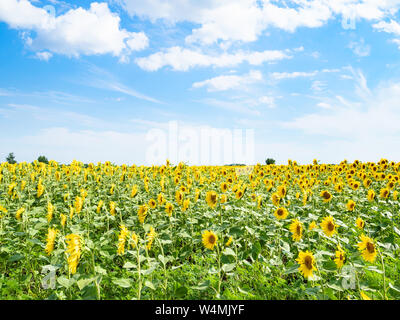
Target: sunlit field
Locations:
point(101, 231)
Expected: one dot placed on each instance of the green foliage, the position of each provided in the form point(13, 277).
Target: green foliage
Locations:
point(43, 159)
point(269, 161)
point(11, 158)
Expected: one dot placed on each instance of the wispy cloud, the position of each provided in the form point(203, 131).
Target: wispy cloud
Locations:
point(102, 79)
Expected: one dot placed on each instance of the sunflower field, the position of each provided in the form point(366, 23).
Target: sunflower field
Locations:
point(316, 231)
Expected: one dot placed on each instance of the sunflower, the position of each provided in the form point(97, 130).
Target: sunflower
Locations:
point(296, 228)
point(209, 239)
point(340, 257)
point(281, 213)
point(228, 243)
point(367, 248)
point(307, 263)
point(224, 198)
point(371, 195)
point(142, 213)
point(185, 205)
point(112, 208)
point(282, 190)
point(338, 187)
point(312, 226)
point(134, 191)
point(169, 207)
point(179, 196)
point(212, 199)
point(364, 296)
point(224, 187)
point(384, 193)
point(19, 212)
point(152, 203)
point(275, 198)
point(360, 223)
point(239, 193)
point(160, 198)
point(350, 205)
point(326, 195)
point(99, 206)
point(328, 226)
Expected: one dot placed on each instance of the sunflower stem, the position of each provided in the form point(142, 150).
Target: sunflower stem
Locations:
point(383, 275)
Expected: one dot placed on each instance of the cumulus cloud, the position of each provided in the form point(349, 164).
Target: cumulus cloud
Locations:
point(249, 19)
point(181, 59)
point(74, 33)
point(389, 27)
point(227, 82)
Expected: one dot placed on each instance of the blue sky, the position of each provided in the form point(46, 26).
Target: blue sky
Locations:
point(89, 80)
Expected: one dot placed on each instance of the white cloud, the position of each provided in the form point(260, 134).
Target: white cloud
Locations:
point(318, 86)
point(292, 75)
point(389, 27)
point(227, 82)
point(360, 48)
point(269, 101)
point(366, 129)
point(74, 33)
point(396, 41)
point(103, 79)
point(324, 105)
point(246, 20)
point(181, 59)
point(44, 55)
point(237, 106)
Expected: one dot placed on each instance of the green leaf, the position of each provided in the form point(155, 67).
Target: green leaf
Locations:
point(181, 292)
point(228, 267)
point(149, 284)
point(329, 265)
point(124, 283)
point(202, 286)
point(16, 257)
point(129, 265)
point(100, 270)
point(393, 287)
point(293, 269)
point(82, 283)
point(229, 252)
point(66, 283)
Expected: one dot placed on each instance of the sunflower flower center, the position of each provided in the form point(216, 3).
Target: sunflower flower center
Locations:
point(308, 262)
point(370, 247)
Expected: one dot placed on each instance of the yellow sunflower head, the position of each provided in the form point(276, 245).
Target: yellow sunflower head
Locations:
point(209, 239)
point(326, 195)
point(328, 226)
point(281, 213)
point(340, 257)
point(371, 195)
point(350, 205)
point(360, 223)
point(152, 203)
point(306, 261)
point(367, 248)
point(296, 228)
point(212, 199)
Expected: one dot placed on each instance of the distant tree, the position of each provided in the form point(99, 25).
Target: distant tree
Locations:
point(11, 158)
point(270, 161)
point(43, 159)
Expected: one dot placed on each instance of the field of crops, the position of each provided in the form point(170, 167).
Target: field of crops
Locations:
point(102, 231)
